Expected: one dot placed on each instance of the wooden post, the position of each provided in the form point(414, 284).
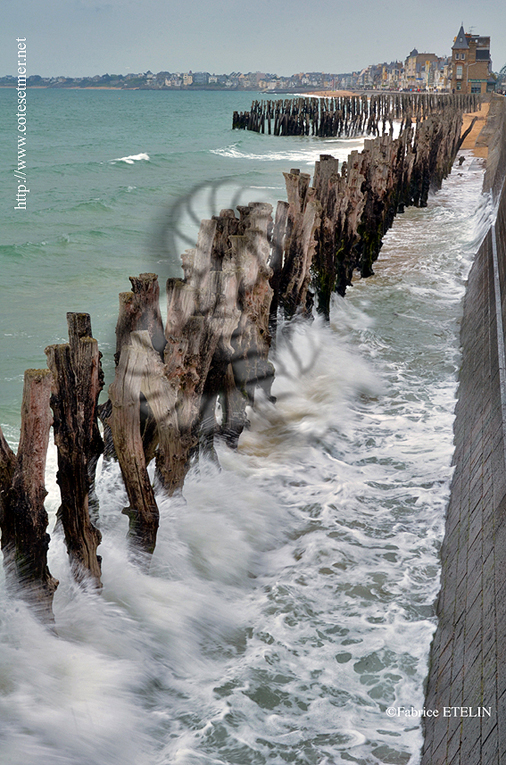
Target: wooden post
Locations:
point(25, 540)
point(125, 424)
point(276, 262)
point(299, 252)
point(140, 309)
point(329, 189)
point(7, 467)
point(77, 382)
point(251, 339)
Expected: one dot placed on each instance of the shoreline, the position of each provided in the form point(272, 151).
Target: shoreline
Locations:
point(471, 141)
point(333, 93)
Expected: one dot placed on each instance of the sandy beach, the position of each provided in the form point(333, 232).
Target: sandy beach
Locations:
point(470, 141)
point(332, 93)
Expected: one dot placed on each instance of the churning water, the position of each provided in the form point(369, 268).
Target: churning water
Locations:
point(290, 598)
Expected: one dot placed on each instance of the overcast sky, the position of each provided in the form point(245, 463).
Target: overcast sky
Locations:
point(86, 37)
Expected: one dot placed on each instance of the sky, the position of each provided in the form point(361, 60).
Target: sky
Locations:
point(76, 38)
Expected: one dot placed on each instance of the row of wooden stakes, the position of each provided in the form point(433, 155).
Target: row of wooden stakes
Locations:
point(346, 116)
point(246, 270)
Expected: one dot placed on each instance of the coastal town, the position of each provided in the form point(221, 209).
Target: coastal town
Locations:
point(468, 69)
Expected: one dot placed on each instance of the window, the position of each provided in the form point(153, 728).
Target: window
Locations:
point(458, 74)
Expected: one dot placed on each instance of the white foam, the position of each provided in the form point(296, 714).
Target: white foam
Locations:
point(131, 158)
point(307, 154)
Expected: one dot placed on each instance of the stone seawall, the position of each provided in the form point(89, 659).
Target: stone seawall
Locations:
point(466, 688)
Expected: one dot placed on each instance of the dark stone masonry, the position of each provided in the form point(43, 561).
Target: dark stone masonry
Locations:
point(467, 677)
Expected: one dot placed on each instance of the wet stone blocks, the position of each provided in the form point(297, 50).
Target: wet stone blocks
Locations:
point(468, 655)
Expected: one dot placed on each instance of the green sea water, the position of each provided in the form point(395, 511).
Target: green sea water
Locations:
point(94, 217)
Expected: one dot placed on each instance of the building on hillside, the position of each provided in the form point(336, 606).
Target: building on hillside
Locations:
point(471, 64)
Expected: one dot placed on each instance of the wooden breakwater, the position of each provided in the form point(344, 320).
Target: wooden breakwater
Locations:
point(246, 269)
point(359, 200)
point(347, 116)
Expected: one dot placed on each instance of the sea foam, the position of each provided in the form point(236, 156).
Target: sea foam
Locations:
point(131, 158)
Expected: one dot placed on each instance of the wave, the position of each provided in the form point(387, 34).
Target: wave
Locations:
point(309, 155)
point(131, 158)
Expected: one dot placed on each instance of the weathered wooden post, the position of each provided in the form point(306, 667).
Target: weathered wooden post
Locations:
point(77, 382)
point(139, 310)
point(302, 220)
point(23, 517)
point(251, 338)
point(239, 365)
point(329, 189)
point(125, 424)
point(276, 263)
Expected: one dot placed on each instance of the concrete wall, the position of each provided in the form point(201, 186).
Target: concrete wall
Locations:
point(467, 679)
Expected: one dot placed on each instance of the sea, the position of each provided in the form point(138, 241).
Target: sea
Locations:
point(289, 609)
